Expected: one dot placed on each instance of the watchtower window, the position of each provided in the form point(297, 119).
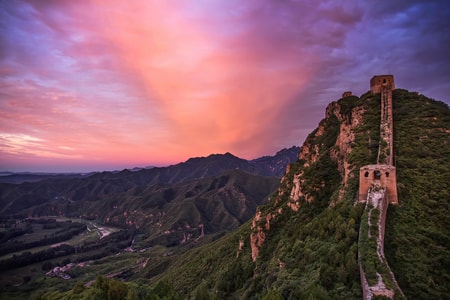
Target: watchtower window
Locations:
point(384, 80)
point(366, 174)
point(387, 174)
point(377, 174)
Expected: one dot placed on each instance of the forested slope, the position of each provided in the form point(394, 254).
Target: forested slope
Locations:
point(303, 243)
point(312, 252)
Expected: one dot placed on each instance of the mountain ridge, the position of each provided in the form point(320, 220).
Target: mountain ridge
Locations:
point(216, 163)
point(218, 192)
point(302, 243)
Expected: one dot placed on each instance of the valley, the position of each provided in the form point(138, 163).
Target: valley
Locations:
point(216, 228)
point(43, 231)
point(125, 225)
point(31, 246)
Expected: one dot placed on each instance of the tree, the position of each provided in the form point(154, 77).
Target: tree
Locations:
point(117, 290)
point(202, 292)
point(78, 287)
point(273, 295)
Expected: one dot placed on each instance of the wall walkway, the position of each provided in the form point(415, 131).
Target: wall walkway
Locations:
point(378, 188)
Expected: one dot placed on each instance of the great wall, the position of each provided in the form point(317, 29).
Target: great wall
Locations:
point(378, 189)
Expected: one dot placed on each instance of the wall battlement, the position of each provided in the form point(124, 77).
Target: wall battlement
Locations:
point(382, 174)
point(373, 179)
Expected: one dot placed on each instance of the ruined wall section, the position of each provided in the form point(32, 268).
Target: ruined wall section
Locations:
point(383, 173)
point(386, 147)
point(378, 188)
point(377, 279)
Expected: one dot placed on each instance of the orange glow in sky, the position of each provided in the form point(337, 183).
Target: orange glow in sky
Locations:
point(100, 85)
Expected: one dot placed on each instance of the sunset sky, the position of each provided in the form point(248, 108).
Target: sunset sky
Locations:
point(104, 85)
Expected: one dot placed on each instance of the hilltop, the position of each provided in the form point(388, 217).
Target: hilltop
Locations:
point(303, 242)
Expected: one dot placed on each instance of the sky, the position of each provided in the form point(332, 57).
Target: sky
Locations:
point(96, 85)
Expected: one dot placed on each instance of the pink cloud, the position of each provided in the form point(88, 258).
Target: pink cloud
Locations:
point(215, 88)
point(146, 82)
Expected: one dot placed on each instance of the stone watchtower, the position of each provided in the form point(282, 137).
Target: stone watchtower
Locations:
point(347, 94)
point(382, 174)
point(378, 81)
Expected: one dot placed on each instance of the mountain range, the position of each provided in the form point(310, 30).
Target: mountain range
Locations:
point(234, 234)
point(303, 244)
point(218, 192)
point(193, 168)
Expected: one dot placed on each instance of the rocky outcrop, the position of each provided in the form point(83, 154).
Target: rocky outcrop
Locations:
point(340, 153)
point(294, 185)
point(344, 142)
point(240, 247)
point(259, 228)
point(257, 237)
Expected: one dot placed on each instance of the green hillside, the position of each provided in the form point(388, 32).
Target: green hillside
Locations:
point(305, 239)
point(313, 252)
point(417, 242)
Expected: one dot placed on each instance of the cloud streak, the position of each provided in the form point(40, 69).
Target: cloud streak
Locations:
point(109, 84)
